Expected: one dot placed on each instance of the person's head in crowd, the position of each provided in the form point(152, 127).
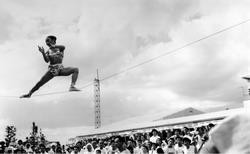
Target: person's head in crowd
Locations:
point(33, 148)
point(27, 146)
point(139, 143)
point(164, 134)
point(177, 132)
point(145, 149)
point(58, 144)
point(119, 143)
point(113, 145)
point(186, 141)
point(210, 126)
point(130, 143)
point(168, 133)
point(94, 144)
point(178, 140)
point(123, 147)
point(185, 130)
point(170, 142)
point(159, 151)
point(159, 141)
point(63, 148)
point(154, 146)
point(154, 132)
point(143, 138)
point(20, 142)
point(53, 147)
point(106, 143)
point(200, 130)
point(79, 145)
point(47, 149)
point(59, 149)
point(98, 151)
point(130, 148)
point(101, 144)
point(89, 147)
point(42, 148)
point(69, 149)
point(76, 149)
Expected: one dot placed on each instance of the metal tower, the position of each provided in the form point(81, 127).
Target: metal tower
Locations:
point(97, 102)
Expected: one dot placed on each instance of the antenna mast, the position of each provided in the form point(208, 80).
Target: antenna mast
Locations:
point(97, 101)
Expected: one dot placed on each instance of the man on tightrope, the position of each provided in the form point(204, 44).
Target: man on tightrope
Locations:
point(54, 56)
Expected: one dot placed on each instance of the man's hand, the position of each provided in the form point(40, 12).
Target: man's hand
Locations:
point(41, 49)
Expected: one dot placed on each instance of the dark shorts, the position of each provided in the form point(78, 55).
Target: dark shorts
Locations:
point(55, 69)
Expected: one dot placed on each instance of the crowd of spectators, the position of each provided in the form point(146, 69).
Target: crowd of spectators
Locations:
point(171, 141)
point(24, 147)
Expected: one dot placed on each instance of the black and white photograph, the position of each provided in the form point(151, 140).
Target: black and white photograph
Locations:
point(124, 76)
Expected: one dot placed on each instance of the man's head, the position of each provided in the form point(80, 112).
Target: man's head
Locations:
point(50, 40)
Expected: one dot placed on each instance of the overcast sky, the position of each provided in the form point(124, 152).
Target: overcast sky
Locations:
point(113, 35)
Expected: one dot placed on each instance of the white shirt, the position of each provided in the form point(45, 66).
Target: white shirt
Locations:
point(153, 138)
point(191, 150)
point(179, 150)
point(168, 150)
point(137, 150)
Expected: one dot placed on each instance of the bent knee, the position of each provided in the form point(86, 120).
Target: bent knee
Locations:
point(76, 70)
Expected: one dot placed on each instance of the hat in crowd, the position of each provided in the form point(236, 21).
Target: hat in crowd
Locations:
point(230, 136)
point(187, 138)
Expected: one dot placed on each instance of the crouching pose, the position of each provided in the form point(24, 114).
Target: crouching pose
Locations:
point(54, 56)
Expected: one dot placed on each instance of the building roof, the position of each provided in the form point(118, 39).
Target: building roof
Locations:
point(183, 113)
point(119, 127)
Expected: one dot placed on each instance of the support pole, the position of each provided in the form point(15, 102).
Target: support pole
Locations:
point(97, 101)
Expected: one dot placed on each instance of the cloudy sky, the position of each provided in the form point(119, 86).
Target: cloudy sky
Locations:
point(112, 36)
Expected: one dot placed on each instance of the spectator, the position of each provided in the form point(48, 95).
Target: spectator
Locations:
point(153, 149)
point(179, 147)
point(188, 148)
point(154, 136)
point(89, 149)
point(138, 148)
point(145, 150)
point(169, 149)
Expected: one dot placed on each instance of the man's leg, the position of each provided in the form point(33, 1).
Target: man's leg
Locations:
point(46, 77)
point(68, 71)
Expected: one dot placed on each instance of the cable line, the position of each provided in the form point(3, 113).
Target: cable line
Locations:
point(147, 61)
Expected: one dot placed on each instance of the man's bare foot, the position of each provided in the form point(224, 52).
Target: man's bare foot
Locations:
point(26, 95)
point(72, 88)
